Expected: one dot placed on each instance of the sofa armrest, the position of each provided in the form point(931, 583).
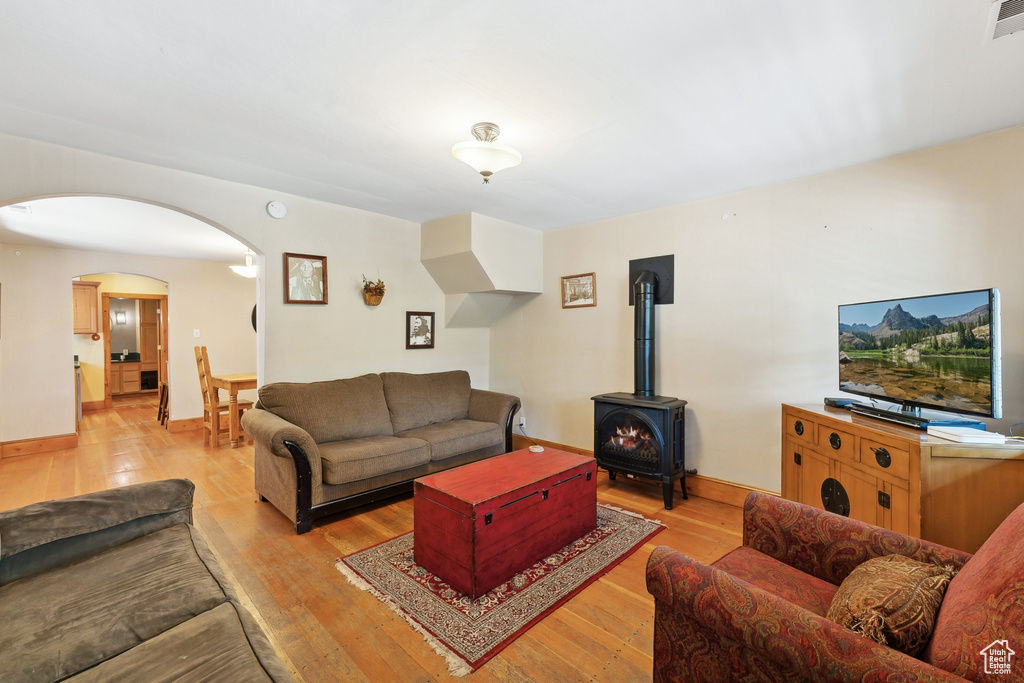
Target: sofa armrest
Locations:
point(271, 431)
point(492, 406)
point(827, 545)
point(44, 535)
point(732, 611)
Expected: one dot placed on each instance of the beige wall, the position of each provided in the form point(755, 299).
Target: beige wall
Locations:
point(759, 276)
point(37, 393)
point(90, 352)
point(300, 343)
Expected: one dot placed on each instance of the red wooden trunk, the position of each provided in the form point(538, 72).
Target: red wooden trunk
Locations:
point(475, 526)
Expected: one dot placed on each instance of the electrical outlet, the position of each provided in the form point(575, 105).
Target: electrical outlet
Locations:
point(195, 333)
point(522, 421)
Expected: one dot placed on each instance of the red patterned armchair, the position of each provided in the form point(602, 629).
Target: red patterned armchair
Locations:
point(757, 614)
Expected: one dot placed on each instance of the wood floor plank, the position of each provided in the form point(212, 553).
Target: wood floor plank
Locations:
point(609, 645)
point(328, 630)
point(25, 479)
point(586, 656)
point(530, 654)
point(63, 475)
point(601, 615)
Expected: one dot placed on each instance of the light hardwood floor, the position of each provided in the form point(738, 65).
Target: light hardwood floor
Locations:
point(323, 628)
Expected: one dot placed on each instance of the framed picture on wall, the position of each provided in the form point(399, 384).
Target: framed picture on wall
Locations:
point(305, 279)
point(579, 290)
point(419, 330)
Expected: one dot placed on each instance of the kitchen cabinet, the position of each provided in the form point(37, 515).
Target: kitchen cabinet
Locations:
point(126, 376)
point(85, 306)
point(149, 331)
point(115, 378)
point(148, 311)
point(148, 343)
point(131, 378)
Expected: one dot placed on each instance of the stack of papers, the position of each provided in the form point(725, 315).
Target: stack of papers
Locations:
point(966, 434)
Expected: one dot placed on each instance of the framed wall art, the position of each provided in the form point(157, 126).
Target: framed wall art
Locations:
point(305, 279)
point(419, 330)
point(579, 290)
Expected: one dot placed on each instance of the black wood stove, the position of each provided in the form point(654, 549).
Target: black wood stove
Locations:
point(641, 433)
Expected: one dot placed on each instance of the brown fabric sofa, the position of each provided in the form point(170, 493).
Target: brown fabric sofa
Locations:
point(119, 586)
point(325, 447)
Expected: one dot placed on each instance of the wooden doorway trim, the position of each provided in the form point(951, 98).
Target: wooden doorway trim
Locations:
point(161, 363)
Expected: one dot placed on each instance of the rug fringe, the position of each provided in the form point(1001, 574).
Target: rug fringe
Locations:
point(457, 666)
point(630, 513)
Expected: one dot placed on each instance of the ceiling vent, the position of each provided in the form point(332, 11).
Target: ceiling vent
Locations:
point(1010, 19)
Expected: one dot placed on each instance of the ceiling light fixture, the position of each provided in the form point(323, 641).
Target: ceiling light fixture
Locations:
point(248, 270)
point(485, 155)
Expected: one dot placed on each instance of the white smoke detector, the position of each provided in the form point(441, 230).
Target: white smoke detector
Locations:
point(277, 209)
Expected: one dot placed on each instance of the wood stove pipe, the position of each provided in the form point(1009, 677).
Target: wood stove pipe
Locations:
point(643, 317)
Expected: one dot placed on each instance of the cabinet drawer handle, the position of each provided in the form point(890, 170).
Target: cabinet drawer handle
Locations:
point(882, 457)
point(798, 427)
point(834, 497)
point(835, 441)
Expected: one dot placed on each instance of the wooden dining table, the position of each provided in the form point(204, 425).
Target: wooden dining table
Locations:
point(233, 384)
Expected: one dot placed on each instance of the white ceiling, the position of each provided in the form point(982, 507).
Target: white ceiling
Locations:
point(116, 225)
point(616, 107)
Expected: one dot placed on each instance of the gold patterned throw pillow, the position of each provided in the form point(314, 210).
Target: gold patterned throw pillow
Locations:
point(892, 600)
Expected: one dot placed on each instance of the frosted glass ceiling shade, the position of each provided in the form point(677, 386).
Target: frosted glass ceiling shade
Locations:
point(485, 155)
point(248, 270)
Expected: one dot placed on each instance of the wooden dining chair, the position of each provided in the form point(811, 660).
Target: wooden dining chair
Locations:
point(213, 407)
point(162, 412)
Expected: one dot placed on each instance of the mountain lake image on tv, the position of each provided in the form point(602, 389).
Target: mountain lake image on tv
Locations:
point(939, 352)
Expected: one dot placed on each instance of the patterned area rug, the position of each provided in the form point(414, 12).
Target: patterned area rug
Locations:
point(469, 632)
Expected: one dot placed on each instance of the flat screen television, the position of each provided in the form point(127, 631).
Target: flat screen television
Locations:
point(936, 352)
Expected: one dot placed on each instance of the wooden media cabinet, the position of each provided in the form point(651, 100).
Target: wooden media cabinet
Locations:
point(898, 477)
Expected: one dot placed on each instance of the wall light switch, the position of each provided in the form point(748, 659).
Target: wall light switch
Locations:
point(195, 333)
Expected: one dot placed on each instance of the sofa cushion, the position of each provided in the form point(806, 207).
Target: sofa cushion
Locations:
point(892, 600)
point(343, 462)
point(43, 535)
point(984, 604)
point(778, 578)
point(447, 439)
point(111, 602)
point(419, 400)
point(210, 647)
point(333, 410)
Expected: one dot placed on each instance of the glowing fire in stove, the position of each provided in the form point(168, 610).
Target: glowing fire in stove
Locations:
point(631, 438)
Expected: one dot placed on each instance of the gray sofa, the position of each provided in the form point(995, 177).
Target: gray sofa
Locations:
point(119, 586)
point(325, 447)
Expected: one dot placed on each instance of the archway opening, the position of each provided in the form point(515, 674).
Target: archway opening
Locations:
point(54, 239)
